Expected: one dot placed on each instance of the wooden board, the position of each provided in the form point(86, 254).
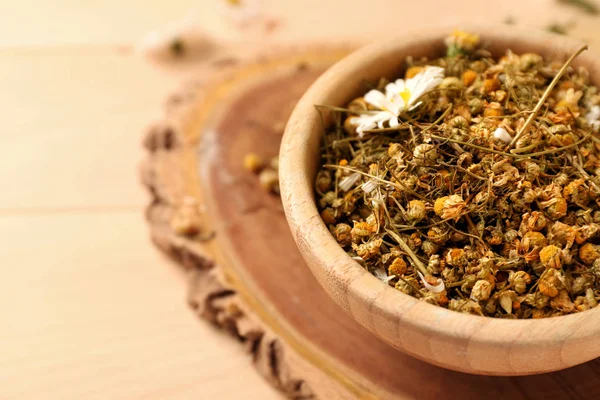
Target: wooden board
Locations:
point(250, 279)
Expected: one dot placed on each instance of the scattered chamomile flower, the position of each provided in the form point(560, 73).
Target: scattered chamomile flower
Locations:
point(400, 96)
point(461, 42)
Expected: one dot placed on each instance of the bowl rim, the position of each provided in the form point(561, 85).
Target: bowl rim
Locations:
point(333, 267)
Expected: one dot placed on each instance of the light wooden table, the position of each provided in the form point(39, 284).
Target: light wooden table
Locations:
point(89, 308)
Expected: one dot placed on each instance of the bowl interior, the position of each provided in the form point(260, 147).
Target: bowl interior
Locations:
point(396, 317)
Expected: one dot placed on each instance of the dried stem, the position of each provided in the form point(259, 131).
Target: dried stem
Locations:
point(540, 103)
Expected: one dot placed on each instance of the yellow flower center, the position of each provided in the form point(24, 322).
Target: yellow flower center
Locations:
point(405, 95)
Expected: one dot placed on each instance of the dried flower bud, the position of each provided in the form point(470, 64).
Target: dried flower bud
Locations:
point(562, 302)
point(269, 180)
point(416, 211)
point(465, 306)
point(561, 179)
point(329, 215)
point(493, 110)
point(495, 237)
point(566, 257)
point(393, 149)
point(253, 162)
point(586, 232)
point(434, 264)
point(456, 258)
point(581, 283)
point(437, 235)
point(368, 250)
point(550, 283)
point(407, 285)
point(537, 300)
point(362, 230)
point(533, 240)
point(449, 207)
point(425, 154)
point(534, 221)
point(323, 181)
point(468, 283)
point(555, 208)
point(550, 256)
point(491, 84)
point(482, 290)
point(519, 280)
point(342, 234)
point(468, 77)
point(532, 170)
point(510, 235)
point(562, 234)
point(429, 247)
point(589, 253)
point(358, 105)
point(529, 60)
point(398, 267)
point(475, 105)
point(591, 298)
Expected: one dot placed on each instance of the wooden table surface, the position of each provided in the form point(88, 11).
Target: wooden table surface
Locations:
point(89, 308)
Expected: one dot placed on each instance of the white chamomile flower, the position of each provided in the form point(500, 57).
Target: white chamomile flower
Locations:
point(593, 117)
point(401, 95)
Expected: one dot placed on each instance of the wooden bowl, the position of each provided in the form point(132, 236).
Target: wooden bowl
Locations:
point(442, 337)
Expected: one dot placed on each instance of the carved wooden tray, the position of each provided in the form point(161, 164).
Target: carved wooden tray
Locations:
point(246, 275)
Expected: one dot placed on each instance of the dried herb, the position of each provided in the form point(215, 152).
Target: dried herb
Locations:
point(473, 183)
point(268, 175)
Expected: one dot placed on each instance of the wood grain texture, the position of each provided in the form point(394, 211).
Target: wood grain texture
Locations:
point(440, 336)
point(251, 280)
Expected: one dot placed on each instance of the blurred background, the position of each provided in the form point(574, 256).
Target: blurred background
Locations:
point(89, 308)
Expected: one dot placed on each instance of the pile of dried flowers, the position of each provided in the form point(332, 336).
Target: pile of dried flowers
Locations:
point(473, 183)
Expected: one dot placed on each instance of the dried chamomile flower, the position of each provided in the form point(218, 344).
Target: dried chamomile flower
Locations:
point(429, 248)
point(416, 211)
point(368, 250)
point(407, 285)
point(481, 290)
point(361, 230)
point(519, 280)
point(550, 282)
point(465, 306)
point(550, 256)
point(323, 181)
point(253, 162)
point(269, 180)
point(562, 302)
point(537, 300)
point(456, 257)
point(398, 267)
point(425, 154)
point(581, 283)
point(589, 253)
point(342, 233)
point(449, 207)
